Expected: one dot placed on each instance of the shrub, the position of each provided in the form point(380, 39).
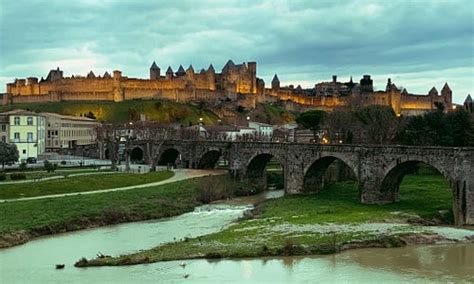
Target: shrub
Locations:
point(211, 188)
point(17, 176)
point(23, 166)
point(63, 163)
point(3, 176)
point(50, 167)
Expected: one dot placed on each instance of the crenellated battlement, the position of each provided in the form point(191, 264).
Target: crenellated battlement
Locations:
point(235, 82)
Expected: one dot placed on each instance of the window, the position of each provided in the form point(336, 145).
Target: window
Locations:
point(17, 120)
point(4, 139)
point(30, 136)
point(24, 151)
point(4, 127)
point(16, 136)
point(29, 120)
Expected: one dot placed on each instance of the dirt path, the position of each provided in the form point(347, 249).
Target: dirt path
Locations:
point(179, 175)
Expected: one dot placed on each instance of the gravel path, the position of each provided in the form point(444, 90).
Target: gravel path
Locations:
point(179, 175)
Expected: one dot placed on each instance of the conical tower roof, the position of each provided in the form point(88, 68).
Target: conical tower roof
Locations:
point(446, 88)
point(169, 70)
point(211, 68)
point(468, 99)
point(275, 79)
point(190, 68)
point(180, 71)
point(107, 75)
point(154, 66)
point(229, 65)
point(433, 91)
point(91, 75)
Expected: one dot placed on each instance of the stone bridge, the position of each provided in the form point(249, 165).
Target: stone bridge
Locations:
point(378, 169)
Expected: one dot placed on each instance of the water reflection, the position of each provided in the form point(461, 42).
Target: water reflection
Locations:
point(34, 262)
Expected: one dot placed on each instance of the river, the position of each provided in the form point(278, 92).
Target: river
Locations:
point(34, 262)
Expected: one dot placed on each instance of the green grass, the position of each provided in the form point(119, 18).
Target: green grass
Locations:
point(296, 215)
point(80, 184)
point(21, 221)
point(119, 112)
point(135, 204)
point(44, 174)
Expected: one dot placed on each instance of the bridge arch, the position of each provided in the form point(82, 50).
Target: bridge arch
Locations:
point(137, 154)
point(396, 172)
point(316, 172)
point(209, 159)
point(169, 156)
point(256, 168)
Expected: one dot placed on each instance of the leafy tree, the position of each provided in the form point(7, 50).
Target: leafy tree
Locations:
point(460, 127)
point(311, 120)
point(8, 153)
point(439, 129)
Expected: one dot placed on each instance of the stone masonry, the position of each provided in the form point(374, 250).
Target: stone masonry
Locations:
point(378, 169)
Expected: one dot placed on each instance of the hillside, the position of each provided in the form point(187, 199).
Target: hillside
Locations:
point(155, 110)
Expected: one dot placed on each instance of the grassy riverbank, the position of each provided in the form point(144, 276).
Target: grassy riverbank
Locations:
point(327, 222)
point(80, 184)
point(38, 175)
point(22, 221)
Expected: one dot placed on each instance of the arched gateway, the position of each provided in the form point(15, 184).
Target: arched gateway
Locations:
point(378, 169)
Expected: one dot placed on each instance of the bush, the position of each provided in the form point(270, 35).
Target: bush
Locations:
point(50, 167)
point(23, 166)
point(3, 176)
point(276, 179)
point(211, 188)
point(17, 176)
point(63, 163)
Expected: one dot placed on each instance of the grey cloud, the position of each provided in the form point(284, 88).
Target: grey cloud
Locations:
point(304, 41)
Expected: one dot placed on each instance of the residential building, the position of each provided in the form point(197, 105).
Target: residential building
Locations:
point(262, 130)
point(67, 132)
point(26, 130)
point(4, 128)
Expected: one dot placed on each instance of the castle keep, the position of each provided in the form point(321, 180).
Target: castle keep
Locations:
point(237, 83)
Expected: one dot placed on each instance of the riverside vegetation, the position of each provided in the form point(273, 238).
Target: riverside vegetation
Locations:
point(326, 222)
point(22, 221)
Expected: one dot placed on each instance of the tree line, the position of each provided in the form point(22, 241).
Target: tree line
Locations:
point(377, 124)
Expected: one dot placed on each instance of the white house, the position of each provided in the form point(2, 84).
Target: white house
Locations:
point(262, 130)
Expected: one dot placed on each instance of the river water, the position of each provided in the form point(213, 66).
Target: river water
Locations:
point(34, 262)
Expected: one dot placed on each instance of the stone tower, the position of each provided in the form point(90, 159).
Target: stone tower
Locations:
point(169, 73)
point(447, 95)
point(154, 71)
point(252, 69)
point(118, 94)
point(180, 71)
point(211, 78)
point(190, 72)
point(275, 84)
point(366, 84)
point(469, 104)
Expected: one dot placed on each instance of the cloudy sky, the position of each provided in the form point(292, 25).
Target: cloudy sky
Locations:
point(419, 44)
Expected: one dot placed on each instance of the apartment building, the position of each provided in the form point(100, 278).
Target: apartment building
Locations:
point(67, 132)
